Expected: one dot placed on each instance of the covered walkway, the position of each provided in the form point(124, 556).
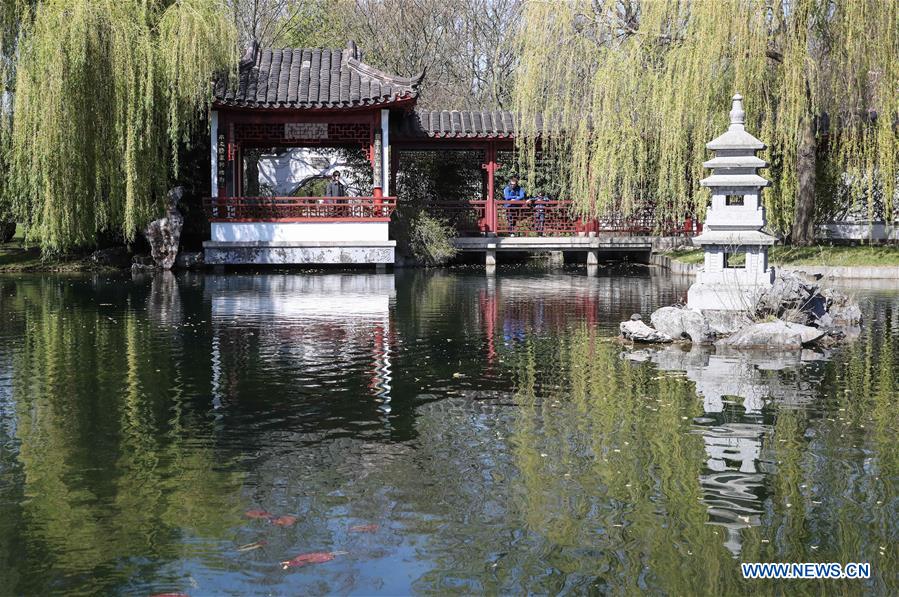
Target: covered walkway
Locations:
point(330, 99)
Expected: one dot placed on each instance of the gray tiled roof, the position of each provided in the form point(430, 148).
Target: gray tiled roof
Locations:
point(311, 78)
point(460, 124)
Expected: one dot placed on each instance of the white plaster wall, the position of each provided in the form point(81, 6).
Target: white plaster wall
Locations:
point(859, 231)
point(282, 173)
point(299, 231)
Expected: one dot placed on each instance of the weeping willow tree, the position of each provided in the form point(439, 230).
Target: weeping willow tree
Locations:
point(10, 19)
point(639, 87)
point(106, 90)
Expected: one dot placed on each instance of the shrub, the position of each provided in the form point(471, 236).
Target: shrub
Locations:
point(431, 240)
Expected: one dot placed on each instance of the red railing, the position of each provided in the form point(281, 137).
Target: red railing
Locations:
point(298, 209)
point(467, 217)
point(545, 218)
point(504, 218)
point(537, 218)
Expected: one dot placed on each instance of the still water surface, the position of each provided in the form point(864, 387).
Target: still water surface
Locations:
point(435, 432)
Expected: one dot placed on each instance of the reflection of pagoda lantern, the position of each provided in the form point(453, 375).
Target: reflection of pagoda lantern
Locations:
point(736, 250)
point(733, 482)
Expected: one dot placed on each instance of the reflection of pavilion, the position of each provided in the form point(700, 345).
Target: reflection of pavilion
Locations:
point(511, 308)
point(312, 322)
point(733, 482)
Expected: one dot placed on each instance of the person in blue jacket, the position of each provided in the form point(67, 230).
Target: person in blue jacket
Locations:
point(513, 192)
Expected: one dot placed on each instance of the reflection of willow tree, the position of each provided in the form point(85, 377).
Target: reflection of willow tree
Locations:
point(434, 306)
point(616, 455)
point(610, 473)
point(108, 471)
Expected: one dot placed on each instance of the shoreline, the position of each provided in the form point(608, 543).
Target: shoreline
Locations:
point(15, 260)
point(848, 272)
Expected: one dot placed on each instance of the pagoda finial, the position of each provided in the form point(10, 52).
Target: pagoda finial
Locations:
point(737, 115)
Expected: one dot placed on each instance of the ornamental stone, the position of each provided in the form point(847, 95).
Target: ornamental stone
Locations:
point(735, 268)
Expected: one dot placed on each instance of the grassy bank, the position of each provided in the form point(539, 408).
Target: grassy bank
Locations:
point(15, 256)
point(824, 255)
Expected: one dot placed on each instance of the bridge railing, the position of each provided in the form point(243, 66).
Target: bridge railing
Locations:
point(299, 209)
point(547, 218)
point(475, 217)
point(537, 218)
point(467, 217)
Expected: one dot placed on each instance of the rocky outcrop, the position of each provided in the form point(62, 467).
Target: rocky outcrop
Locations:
point(637, 331)
point(799, 298)
point(680, 323)
point(725, 323)
point(773, 334)
point(793, 313)
point(164, 234)
point(840, 310)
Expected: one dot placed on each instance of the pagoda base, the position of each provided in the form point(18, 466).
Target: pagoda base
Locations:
point(723, 297)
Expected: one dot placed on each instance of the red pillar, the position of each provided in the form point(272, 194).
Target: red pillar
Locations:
point(487, 303)
point(490, 208)
point(221, 162)
point(232, 158)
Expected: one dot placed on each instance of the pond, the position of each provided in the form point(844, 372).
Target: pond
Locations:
point(428, 432)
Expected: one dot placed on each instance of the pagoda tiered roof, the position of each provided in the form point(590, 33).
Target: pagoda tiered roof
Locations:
point(735, 163)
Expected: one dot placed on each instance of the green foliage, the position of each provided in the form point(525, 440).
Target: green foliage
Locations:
point(314, 24)
point(425, 181)
point(861, 256)
point(640, 87)
point(105, 93)
point(541, 176)
point(312, 187)
point(431, 239)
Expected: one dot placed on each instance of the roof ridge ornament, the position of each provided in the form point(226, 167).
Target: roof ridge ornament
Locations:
point(737, 114)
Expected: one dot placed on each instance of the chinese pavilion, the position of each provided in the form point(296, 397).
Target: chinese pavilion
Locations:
point(317, 99)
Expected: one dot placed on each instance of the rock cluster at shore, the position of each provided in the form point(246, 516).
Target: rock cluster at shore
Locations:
point(164, 234)
point(794, 312)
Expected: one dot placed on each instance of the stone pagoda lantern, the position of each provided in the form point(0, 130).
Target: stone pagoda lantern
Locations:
point(736, 268)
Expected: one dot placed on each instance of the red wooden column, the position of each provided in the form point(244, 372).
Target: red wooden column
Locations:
point(232, 163)
point(490, 167)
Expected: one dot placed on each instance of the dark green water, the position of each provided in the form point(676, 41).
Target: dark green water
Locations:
point(488, 435)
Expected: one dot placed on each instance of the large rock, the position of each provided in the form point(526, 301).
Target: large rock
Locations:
point(843, 311)
point(725, 323)
point(683, 323)
point(637, 331)
point(793, 297)
point(164, 234)
point(773, 335)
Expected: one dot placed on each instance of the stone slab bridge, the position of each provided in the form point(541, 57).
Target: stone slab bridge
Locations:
point(289, 101)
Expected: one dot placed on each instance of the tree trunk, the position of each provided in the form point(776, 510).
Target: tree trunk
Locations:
point(804, 216)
